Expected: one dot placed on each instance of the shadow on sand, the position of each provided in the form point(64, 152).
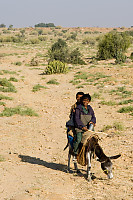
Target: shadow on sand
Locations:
point(38, 161)
point(51, 165)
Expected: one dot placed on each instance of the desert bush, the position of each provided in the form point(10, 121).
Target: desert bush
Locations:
point(56, 67)
point(59, 51)
point(89, 41)
point(11, 39)
point(131, 56)
point(42, 38)
point(112, 44)
point(120, 57)
point(72, 36)
point(34, 62)
point(2, 25)
point(75, 57)
point(34, 40)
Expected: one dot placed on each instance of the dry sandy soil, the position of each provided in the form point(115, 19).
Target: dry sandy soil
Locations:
point(33, 163)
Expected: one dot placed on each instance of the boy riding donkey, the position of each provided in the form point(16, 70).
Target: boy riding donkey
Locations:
point(82, 119)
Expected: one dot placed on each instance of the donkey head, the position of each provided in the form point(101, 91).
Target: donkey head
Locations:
point(106, 165)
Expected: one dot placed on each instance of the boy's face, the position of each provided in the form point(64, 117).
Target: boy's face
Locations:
point(86, 102)
point(78, 98)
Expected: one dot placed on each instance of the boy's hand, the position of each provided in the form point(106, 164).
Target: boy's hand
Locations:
point(85, 129)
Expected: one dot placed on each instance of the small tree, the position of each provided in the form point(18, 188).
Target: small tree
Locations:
point(2, 25)
point(75, 57)
point(59, 51)
point(112, 45)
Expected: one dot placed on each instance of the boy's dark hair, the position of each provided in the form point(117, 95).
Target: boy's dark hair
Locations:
point(79, 93)
point(86, 96)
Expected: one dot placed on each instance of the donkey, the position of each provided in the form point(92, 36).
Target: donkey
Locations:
point(92, 147)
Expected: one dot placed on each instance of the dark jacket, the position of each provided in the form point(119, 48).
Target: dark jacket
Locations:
point(82, 119)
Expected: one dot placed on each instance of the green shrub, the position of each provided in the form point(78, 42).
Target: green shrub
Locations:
point(34, 41)
point(112, 44)
point(56, 67)
point(59, 51)
point(72, 36)
point(34, 62)
point(42, 38)
point(131, 56)
point(75, 57)
point(89, 41)
point(120, 57)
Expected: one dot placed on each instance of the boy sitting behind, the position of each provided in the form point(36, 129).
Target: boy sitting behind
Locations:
point(83, 117)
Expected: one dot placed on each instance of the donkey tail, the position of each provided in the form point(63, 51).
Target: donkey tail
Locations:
point(115, 157)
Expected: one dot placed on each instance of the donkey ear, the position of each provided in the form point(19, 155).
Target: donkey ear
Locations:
point(115, 157)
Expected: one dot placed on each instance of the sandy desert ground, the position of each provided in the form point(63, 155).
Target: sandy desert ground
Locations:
point(33, 163)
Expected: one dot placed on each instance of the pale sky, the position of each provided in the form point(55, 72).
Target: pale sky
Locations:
point(67, 13)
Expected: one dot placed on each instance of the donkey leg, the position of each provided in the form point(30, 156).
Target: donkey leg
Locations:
point(89, 166)
point(68, 166)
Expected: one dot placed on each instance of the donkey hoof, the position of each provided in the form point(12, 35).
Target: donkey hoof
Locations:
point(89, 179)
point(78, 171)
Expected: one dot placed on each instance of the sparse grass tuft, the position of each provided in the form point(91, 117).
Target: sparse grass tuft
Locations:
point(125, 102)
point(108, 103)
point(75, 82)
point(80, 86)
point(38, 87)
point(53, 81)
point(118, 126)
point(6, 86)
point(5, 97)
point(18, 63)
point(19, 111)
point(81, 75)
point(8, 72)
point(126, 109)
point(121, 92)
point(2, 103)
point(13, 79)
point(96, 95)
point(2, 158)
